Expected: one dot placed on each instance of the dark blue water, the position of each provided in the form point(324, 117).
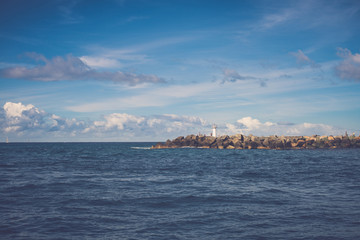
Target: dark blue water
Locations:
point(114, 191)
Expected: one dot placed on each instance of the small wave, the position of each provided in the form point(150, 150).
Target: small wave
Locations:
point(144, 148)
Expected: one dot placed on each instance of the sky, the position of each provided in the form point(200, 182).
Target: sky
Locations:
point(141, 70)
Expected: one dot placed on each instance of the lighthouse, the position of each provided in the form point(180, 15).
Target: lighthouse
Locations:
point(214, 130)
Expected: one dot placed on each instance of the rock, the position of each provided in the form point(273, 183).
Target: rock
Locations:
point(309, 141)
point(252, 142)
point(279, 144)
point(206, 141)
point(253, 145)
point(345, 143)
point(287, 143)
point(300, 143)
point(240, 137)
point(331, 138)
point(238, 145)
point(225, 143)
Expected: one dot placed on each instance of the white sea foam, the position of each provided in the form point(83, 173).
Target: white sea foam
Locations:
point(141, 148)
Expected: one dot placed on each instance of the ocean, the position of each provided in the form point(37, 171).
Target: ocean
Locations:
point(128, 191)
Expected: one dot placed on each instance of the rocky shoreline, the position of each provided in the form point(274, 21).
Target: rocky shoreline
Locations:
point(240, 141)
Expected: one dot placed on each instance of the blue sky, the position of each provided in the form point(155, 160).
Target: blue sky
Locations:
point(121, 70)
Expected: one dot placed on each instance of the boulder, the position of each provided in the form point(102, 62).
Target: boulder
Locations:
point(266, 142)
point(279, 144)
point(240, 137)
point(287, 143)
point(300, 143)
point(253, 145)
point(345, 143)
point(309, 141)
point(230, 147)
point(238, 145)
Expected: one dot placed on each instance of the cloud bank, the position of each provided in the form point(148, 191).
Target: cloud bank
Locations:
point(21, 122)
point(249, 125)
point(72, 68)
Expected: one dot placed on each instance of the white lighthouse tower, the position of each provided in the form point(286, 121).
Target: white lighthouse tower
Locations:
point(214, 130)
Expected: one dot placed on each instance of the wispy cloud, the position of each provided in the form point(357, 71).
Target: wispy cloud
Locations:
point(105, 57)
point(134, 18)
point(67, 13)
point(231, 75)
point(230, 91)
point(72, 68)
point(276, 19)
point(159, 97)
point(303, 60)
point(101, 62)
point(349, 67)
point(22, 39)
point(303, 16)
point(306, 14)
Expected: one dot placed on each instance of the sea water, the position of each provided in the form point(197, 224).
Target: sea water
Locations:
point(128, 191)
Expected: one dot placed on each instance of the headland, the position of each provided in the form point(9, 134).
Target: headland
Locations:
point(240, 141)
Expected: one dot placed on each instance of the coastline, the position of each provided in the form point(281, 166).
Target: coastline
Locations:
point(240, 141)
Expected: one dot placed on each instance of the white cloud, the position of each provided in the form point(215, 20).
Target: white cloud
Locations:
point(11, 129)
point(166, 125)
point(26, 121)
point(16, 109)
point(118, 120)
point(153, 122)
point(21, 119)
point(100, 62)
point(249, 125)
point(349, 67)
point(72, 68)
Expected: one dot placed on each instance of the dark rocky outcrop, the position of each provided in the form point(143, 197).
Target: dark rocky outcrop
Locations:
point(240, 141)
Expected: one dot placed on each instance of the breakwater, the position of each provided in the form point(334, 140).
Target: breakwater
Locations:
point(240, 141)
